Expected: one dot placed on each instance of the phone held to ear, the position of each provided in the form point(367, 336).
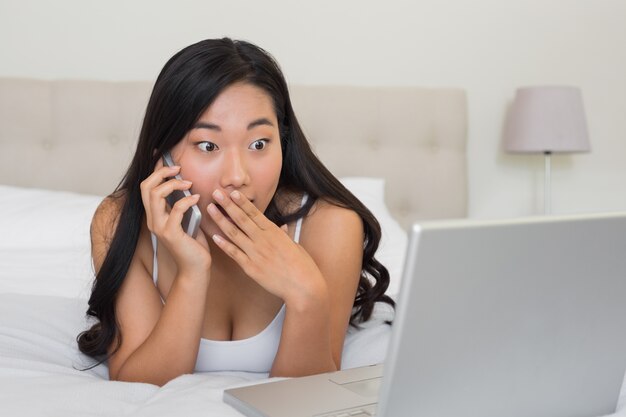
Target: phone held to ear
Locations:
point(192, 217)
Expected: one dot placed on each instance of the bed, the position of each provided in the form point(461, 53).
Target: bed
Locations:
point(64, 144)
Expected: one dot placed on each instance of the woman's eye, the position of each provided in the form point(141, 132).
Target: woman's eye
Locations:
point(207, 146)
point(259, 144)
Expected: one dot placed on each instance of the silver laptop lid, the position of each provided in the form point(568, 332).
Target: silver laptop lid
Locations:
point(510, 318)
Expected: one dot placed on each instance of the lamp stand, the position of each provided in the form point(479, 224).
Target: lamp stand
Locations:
point(547, 203)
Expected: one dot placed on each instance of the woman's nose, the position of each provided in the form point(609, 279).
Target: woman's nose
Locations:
point(234, 171)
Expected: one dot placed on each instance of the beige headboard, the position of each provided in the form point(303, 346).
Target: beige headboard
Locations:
point(79, 136)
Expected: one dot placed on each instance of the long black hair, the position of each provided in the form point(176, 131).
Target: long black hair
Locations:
point(189, 82)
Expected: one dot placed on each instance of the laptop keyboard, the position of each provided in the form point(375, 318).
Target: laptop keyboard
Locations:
point(364, 411)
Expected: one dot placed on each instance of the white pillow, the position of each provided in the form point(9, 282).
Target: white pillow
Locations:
point(45, 246)
point(391, 251)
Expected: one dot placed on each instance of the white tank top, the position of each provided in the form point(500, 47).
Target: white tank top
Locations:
point(254, 354)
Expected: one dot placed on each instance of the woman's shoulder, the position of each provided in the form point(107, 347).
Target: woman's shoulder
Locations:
point(334, 217)
point(106, 216)
point(104, 224)
point(324, 211)
point(333, 236)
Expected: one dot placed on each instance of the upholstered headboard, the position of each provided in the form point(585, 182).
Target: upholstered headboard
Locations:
point(79, 136)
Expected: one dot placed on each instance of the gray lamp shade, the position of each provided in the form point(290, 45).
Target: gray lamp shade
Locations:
point(547, 119)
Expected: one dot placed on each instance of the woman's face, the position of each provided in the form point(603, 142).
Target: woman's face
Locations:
point(235, 145)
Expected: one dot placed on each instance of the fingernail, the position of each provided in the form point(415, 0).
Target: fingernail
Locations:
point(187, 182)
point(235, 195)
point(218, 195)
point(217, 239)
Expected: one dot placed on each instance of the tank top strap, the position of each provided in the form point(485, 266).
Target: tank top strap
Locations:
point(155, 264)
point(296, 236)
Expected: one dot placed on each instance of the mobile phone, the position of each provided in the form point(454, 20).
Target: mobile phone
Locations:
point(192, 217)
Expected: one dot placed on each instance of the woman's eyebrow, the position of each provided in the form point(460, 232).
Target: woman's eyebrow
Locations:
point(263, 121)
point(260, 122)
point(204, 125)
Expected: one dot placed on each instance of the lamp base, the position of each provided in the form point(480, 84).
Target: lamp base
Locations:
point(547, 198)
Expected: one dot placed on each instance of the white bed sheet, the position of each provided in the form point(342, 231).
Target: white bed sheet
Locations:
point(40, 367)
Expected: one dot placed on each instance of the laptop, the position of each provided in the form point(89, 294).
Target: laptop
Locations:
point(521, 317)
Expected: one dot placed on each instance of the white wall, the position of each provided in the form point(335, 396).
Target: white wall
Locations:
point(488, 47)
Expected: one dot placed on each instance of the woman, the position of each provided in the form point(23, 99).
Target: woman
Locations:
point(283, 261)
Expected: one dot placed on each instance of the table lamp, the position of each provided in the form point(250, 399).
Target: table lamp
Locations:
point(547, 119)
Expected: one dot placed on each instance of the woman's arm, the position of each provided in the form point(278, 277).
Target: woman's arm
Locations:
point(158, 342)
point(315, 326)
